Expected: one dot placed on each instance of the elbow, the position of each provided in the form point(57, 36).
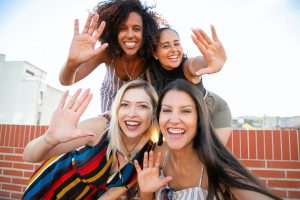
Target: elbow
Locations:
point(28, 158)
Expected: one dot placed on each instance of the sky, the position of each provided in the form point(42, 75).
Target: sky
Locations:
point(261, 39)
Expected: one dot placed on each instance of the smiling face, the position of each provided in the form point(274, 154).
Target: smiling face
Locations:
point(178, 119)
point(135, 112)
point(169, 50)
point(130, 36)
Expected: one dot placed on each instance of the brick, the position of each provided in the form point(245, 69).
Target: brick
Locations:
point(22, 136)
point(294, 194)
point(260, 144)
point(17, 136)
point(5, 164)
point(4, 194)
point(12, 135)
point(277, 144)
point(1, 156)
point(252, 144)
point(229, 143)
point(13, 158)
point(284, 184)
point(16, 188)
point(269, 144)
point(269, 173)
point(32, 133)
point(27, 174)
point(236, 144)
point(26, 134)
point(19, 151)
point(16, 195)
point(2, 133)
point(285, 143)
point(280, 193)
point(294, 145)
point(7, 135)
point(253, 163)
point(283, 164)
point(23, 166)
point(20, 181)
point(4, 179)
point(293, 174)
point(9, 172)
point(244, 144)
point(6, 150)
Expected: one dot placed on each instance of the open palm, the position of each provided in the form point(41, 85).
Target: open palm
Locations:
point(148, 177)
point(63, 124)
point(83, 44)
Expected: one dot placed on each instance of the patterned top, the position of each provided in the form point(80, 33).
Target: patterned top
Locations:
point(81, 174)
point(109, 88)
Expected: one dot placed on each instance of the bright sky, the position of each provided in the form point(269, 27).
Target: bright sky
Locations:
point(261, 38)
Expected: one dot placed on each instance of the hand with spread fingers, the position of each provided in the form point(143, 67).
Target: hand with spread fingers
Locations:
point(212, 50)
point(148, 177)
point(63, 124)
point(82, 48)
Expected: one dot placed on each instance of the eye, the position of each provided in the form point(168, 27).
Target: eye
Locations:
point(186, 111)
point(143, 106)
point(165, 46)
point(137, 29)
point(123, 105)
point(166, 110)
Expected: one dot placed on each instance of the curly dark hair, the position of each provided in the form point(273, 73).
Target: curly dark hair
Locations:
point(115, 12)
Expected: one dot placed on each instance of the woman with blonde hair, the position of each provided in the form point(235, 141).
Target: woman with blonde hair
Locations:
point(102, 168)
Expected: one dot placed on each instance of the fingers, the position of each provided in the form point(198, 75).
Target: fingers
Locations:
point(214, 33)
point(63, 100)
point(200, 46)
point(151, 159)
point(165, 180)
point(198, 33)
point(79, 102)
point(76, 27)
point(145, 161)
point(205, 70)
point(93, 25)
point(87, 23)
point(99, 31)
point(73, 99)
point(158, 160)
point(84, 105)
point(137, 166)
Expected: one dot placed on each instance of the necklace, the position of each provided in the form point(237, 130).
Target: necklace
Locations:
point(129, 76)
point(128, 158)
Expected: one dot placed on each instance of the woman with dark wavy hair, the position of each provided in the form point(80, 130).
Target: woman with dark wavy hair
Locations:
point(196, 165)
point(126, 30)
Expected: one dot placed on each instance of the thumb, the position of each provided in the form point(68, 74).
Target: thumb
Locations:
point(165, 180)
point(101, 48)
point(203, 71)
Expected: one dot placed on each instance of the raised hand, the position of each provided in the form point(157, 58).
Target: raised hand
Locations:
point(212, 50)
point(63, 124)
point(83, 44)
point(148, 177)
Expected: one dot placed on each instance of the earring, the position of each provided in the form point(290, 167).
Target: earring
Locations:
point(160, 139)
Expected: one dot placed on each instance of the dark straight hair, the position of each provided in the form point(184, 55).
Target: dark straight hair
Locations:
point(223, 169)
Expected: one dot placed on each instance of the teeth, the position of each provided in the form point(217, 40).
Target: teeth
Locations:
point(132, 123)
point(173, 57)
point(130, 44)
point(176, 130)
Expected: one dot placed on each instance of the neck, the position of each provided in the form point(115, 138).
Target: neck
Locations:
point(133, 145)
point(179, 157)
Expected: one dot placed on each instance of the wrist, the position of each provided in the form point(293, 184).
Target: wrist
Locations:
point(48, 140)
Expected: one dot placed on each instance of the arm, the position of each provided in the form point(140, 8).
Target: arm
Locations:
point(63, 135)
point(214, 55)
point(148, 177)
point(83, 58)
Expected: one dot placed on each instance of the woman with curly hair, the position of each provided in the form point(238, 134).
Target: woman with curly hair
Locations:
point(126, 46)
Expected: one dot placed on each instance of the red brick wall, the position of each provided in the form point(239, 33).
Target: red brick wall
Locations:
point(272, 155)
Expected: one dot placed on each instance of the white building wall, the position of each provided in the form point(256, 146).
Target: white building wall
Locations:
point(24, 97)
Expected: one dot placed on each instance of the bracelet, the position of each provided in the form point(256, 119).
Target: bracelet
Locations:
point(46, 140)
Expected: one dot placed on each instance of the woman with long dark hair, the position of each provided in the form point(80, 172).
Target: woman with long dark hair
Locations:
point(195, 164)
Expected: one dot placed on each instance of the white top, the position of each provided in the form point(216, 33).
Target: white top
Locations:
point(193, 193)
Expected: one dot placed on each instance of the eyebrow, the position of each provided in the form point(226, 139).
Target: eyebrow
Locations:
point(146, 102)
point(167, 42)
point(186, 106)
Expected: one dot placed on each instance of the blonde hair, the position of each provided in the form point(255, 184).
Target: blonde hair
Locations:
point(114, 131)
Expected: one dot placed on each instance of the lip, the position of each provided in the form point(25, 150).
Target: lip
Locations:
point(130, 44)
point(132, 124)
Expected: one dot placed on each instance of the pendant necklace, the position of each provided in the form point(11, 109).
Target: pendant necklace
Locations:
point(128, 158)
point(129, 76)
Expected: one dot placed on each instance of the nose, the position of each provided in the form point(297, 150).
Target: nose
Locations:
point(132, 112)
point(130, 33)
point(174, 118)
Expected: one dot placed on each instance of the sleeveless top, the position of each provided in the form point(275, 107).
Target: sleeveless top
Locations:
point(195, 193)
point(160, 77)
point(83, 173)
